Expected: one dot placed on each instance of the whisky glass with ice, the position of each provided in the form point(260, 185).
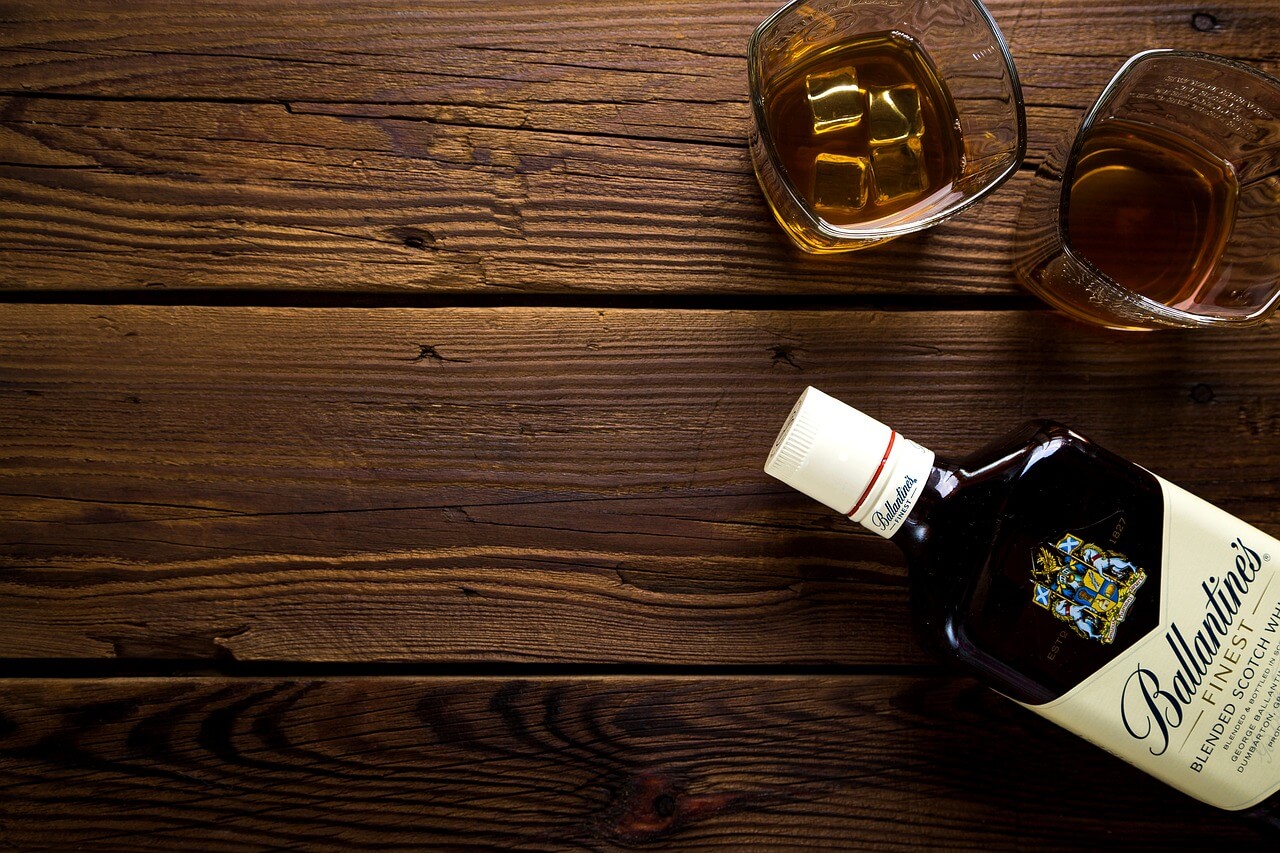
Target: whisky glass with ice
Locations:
point(872, 119)
point(1163, 209)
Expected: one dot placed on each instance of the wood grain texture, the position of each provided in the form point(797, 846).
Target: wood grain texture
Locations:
point(200, 195)
point(602, 763)
point(469, 146)
point(518, 489)
point(556, 485)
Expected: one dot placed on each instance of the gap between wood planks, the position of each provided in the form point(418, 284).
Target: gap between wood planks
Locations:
point(76, 668)
point(237, 298)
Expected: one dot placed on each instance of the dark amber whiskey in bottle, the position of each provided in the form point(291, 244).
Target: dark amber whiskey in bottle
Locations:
point(1077, 583)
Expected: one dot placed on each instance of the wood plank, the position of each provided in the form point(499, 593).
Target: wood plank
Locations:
point(480, 147)
point(827, 763)
point(639, 69)
point(142, 195)
point(563, 485)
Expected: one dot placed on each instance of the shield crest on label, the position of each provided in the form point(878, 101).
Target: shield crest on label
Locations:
point(1084, 585)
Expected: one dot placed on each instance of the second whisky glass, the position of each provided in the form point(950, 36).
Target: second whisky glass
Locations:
point(1163, 210)
point(954, 44)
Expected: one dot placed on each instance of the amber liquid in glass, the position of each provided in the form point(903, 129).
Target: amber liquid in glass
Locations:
point(1152, 211)
point(866, 130)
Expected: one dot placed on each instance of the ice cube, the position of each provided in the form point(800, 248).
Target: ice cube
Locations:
point(894, 113)
point(840, 183)
point(899, 170)
point(835, 101)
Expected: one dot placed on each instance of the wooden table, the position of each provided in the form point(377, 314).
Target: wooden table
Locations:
point(384, 388)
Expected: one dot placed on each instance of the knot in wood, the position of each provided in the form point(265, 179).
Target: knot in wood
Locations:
point(1204, 22)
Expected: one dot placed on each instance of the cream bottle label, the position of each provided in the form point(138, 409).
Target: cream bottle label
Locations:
point(1195, 702)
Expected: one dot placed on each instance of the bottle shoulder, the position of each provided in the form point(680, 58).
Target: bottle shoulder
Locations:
point(980, 554)
point(1032, 439)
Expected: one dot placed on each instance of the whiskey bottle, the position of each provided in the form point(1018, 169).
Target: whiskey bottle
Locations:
point(1079, 584)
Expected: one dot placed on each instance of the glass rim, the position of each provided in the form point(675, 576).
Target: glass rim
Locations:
point(883, 232)
point(1160, 311)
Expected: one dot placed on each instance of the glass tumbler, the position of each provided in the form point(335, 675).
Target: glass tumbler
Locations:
point(961, 48)
point(1163, 210)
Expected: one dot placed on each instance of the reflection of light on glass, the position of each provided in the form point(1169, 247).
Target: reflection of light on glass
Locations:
point(1044, 451)
point(1041, 452)
point(947, 483)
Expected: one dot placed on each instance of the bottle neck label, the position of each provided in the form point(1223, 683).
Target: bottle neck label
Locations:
point(1195, 702)
point(893, 492)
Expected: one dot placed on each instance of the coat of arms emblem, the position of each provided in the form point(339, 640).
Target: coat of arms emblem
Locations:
point(1088, 587)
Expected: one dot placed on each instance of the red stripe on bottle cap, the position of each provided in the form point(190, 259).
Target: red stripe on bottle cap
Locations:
point(875, 476)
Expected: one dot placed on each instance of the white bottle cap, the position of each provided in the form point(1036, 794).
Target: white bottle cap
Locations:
point(851, 462)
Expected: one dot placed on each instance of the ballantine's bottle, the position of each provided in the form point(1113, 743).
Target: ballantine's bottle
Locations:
point(1079, 584)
